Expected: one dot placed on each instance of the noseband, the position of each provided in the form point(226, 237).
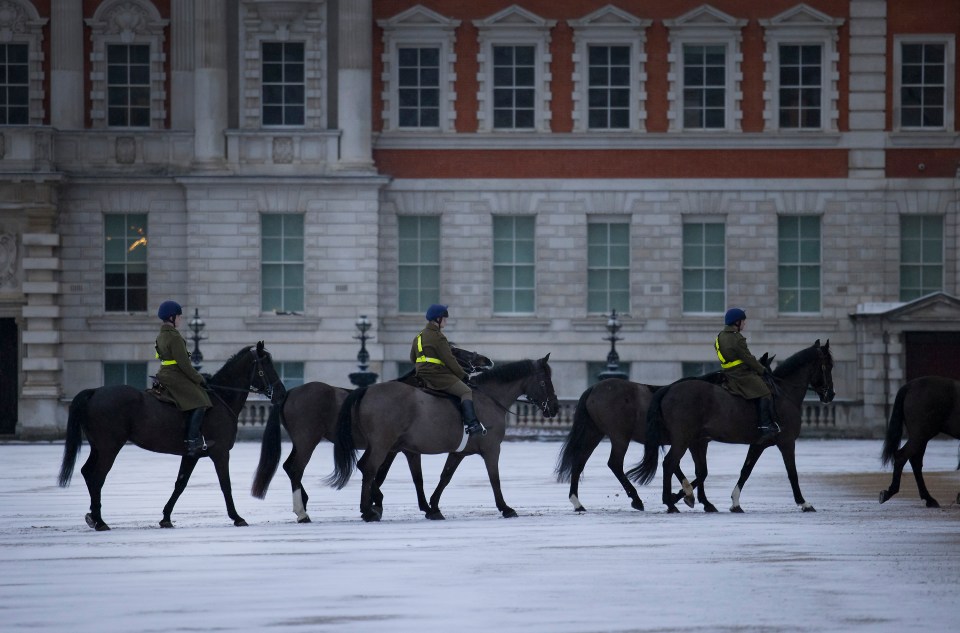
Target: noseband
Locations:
point(257, 370)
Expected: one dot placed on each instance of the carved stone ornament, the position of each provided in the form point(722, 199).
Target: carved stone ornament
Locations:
point(283, 150)
point(127, 19)
point(13, 19)
point(282, 11)
point(8, 259)
point(126, 150)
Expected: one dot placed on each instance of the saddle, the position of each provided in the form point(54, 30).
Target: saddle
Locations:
point(160, 392)
point(411, 378)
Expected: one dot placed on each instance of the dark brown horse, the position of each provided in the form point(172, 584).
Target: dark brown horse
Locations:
point(926, 406)
point(112, 416)
point(393, 416)
point(309, 414)
point(617, 409)
point(692, 410)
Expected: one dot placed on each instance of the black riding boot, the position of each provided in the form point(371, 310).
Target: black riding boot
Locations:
point(768, 426)
point(470, 422)
point(194, 443)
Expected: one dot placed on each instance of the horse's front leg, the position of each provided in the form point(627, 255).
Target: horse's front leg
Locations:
point(618, 451)
point(700, 470)
point(787, 450)
point(221, 463)
point(376, 494)
point(416, 473)
point(369, 466)
point(187, 464)
point(671, 465)
point(753, 455)
point(450, 467)
point(916, 463)
point(491, 459)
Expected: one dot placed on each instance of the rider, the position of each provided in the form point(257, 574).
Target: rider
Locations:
point(439, 370)
point(744, 372)
point(183, 382)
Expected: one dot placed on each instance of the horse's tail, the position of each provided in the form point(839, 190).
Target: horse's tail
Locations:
point(575, 438)
point(344, 450)
point(643, 472)
point(269, 450)
point(76, 422)
point(894, 428)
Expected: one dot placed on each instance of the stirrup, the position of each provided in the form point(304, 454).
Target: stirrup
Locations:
point(475, 427)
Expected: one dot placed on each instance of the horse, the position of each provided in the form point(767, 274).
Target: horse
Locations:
point(691, 410)
point(926, 406)
point(393, 416)
point(113, 415)
point(309, 414)
point(614, 408)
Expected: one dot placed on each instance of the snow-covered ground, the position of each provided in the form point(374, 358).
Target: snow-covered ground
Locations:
point(854, 565)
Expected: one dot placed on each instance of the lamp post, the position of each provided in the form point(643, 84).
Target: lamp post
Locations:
point(196, 324)
point(364, 377)
point(613, 359)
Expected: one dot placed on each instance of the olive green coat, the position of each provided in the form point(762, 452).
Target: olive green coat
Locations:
point(435, 345)
point(183, 382)
point(744, 379)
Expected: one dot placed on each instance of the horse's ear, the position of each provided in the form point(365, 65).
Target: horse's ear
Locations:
point(827, 346)
point(259, 347)
point(816, 345)
point(546, 358)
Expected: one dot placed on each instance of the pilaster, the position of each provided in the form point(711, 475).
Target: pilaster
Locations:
point(182, 35)
point(210, 82)
point(355, 95)
point(868, 63)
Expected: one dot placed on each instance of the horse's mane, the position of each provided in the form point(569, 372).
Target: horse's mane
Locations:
point(227, 365)
point(798, 360)
point(506, 373)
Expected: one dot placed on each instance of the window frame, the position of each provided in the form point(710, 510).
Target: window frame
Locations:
point(283, 84)
point(949, 105)
point(922, 265)
point(799, 265)
point(27, 28)
point(702, 291)
point(7, 86)
point(425, 296)
point(129, 245)
point(283, 263)
point(514, 266)
point(607, 244)
point(128, 87)
point(126, 367)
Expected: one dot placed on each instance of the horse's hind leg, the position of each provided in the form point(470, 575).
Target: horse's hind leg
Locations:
point(916, 463)
point(294, 466)
point(450, 467)
point(416, 473)
point(700, 466)
point(376, 494)
point(618, 451)
point(94, 472)
point(671, 463)
point(187, 464)
point(899, 461)
point(369, 466)
point(753, 454)
point(591, 440)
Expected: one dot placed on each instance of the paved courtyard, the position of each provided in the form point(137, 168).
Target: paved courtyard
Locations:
point(854, 565)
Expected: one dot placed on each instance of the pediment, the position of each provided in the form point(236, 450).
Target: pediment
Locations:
point(514, 17)
point(610, 17)
point(936, 307)
point(705, 17)
point(802, 16)
point(418, 17)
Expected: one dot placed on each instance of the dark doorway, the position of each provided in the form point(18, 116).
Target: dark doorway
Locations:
point(932, 354)
point(9, 381)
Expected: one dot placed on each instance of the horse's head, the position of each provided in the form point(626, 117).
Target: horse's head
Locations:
point(539, 388)
point(264, 378)
point(822, 377)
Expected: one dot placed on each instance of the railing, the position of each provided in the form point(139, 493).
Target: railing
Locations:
point(525, 419)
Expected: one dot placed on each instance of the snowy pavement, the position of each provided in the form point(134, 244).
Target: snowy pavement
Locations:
point(854, 565)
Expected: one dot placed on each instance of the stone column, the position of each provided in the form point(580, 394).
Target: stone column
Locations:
point(354, 102)
point(66, 64)
point(181, 64)
point(210, 82)
point(868, 64)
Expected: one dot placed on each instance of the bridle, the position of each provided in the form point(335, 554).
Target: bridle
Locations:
point(256, 370)
point(825, 391)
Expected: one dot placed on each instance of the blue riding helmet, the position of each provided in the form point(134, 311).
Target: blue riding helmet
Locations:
point(733, 315)
point(169, 309)
point(436, 311)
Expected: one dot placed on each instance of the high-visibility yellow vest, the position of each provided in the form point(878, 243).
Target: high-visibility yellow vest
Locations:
point(426, 359)
point(164, 362)
point(723, 361)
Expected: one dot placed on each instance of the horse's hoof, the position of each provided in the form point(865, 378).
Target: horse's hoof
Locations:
point(240, 523)
point(672, 510)
point(808, 508)
point(884, 495)
point(688, 499)
point(102, 527)
point(435, 515)
point(932, 503)
point(509, 513)
point(370, 516)
point(579, 509)
point(90, 522)
point(736, 510)
point(99, 526)
point(637, 505)
point(166, 523)
point(709, 507)
point(304, 519)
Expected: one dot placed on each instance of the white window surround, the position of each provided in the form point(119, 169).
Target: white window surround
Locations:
point(514, 26)
point(419, 27)
point(21, 24)
point(802, 25)
point(705, 26)
point(949, 113)
point(609, 26)
point(127, 22)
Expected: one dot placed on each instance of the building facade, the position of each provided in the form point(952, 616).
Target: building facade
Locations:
point(283, 168)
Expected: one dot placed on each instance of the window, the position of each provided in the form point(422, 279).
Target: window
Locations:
point(418, 87)
point(133, 374)
point(14, 84)
point(608, 95)
point(125, 262)
point(691, 369)
point(704, 87)
point(128, 85)
point(799, 259)
point(513, 265)
point(513, 86)
point(801, 86)
point(921, 255)
point(595, 368)
point(283, 88)
point(282, 262)
point(608, 267)
point(290, 373)
point(704, 267)
point(923, 85)
point(419, 262)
